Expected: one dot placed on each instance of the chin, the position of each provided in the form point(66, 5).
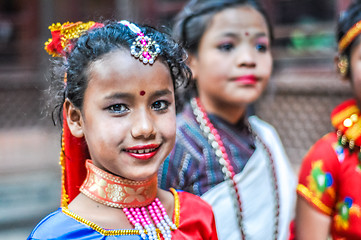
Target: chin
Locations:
point(141, 176)
point(245, 100)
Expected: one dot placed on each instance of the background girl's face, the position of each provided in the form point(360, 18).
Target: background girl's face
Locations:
point(234, 61)
point(355, 61)
point(128, 115)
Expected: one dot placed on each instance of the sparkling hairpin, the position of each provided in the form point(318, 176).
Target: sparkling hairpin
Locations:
point(143, 48)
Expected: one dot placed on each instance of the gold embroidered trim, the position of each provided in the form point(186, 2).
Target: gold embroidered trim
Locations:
point(64, 195)
point(176, 207)
point(354, 131)
point(350, 36)
point(95, 227)
point(341, 116)
point(115, 191)
point(104, 232)
point(303, 190)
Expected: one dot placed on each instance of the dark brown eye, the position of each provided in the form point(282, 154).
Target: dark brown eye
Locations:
point(118, 108)
point(160, 105)
point(226, 47)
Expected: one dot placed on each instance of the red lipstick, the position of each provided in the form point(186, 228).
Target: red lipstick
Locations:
point(247, 79)
point(143, 152)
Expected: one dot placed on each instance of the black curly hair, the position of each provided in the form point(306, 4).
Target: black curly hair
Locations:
point(96, 43)
point(347, 20)
point(192, 22)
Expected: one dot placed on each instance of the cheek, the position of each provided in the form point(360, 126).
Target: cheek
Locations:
point(104, 132)
point(267, 64)
point(168, 126)
point(356, 71)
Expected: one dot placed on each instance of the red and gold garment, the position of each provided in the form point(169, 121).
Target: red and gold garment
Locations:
point(193, 217)
point(330, 175)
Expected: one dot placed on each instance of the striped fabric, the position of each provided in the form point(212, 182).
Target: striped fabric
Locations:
point(192, 165)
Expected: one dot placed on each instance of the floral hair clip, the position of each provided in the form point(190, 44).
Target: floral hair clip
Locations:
point(143, 48)
point(62, 34)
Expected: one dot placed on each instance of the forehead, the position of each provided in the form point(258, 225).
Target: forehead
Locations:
point(120, 68)
point(237, 19)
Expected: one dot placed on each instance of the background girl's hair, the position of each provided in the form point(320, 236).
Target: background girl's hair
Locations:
point(193, 20)
point(95, 44)
point(346, 21)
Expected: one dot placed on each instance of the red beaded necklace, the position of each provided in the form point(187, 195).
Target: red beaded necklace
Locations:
point(211, 133)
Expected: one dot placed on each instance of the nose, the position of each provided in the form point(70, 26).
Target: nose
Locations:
point(143, 125)
point(245, 57)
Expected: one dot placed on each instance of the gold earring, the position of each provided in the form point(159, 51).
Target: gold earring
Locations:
point(343, 66)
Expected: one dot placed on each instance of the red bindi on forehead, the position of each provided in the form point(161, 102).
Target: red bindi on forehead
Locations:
point(246, 33)
point(142, 93)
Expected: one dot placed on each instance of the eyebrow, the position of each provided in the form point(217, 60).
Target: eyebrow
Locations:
point(160, 93)
point(119, 95)
point(236, 35)
point(260, 34)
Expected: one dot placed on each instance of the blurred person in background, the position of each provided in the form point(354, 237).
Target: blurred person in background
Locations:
point(233, 160)
point(329, 196)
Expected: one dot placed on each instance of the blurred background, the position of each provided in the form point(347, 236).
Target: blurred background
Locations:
point(301, 95)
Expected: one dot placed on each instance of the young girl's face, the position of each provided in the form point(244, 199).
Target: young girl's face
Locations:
point(128, 115)
point(234, 61)
point(356, 71)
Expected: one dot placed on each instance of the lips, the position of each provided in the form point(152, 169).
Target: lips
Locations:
point(143, 152)
point(247, 79)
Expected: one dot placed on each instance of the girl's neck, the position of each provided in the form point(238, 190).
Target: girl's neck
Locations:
point(232, 113)
point(115, 191)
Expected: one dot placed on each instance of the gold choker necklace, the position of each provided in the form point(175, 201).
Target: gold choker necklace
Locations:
point(114, 191)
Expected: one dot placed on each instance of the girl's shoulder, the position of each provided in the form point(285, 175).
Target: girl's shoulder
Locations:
point(325, 148)
point(261, 126)
point(268, 134)
point(64, 224)
point(54, 226)
point(196, 220)
point(191, 201)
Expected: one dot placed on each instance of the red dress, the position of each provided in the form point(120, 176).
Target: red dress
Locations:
point(194, 218)
point(330, 175)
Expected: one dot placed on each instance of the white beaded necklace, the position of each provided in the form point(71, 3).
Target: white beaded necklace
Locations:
point(214, 139)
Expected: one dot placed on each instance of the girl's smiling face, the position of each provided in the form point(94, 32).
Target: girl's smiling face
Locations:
point(234, 61)
point(128, 115)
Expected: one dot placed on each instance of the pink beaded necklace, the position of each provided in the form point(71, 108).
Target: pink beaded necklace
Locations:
point(213, 137)
point(136, 199)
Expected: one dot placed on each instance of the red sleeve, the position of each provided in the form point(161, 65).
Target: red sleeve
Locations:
point(318, 175)
point(196, 220)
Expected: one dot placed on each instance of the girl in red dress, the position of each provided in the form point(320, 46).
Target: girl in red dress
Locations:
point(329, 196)
point(119, 112)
